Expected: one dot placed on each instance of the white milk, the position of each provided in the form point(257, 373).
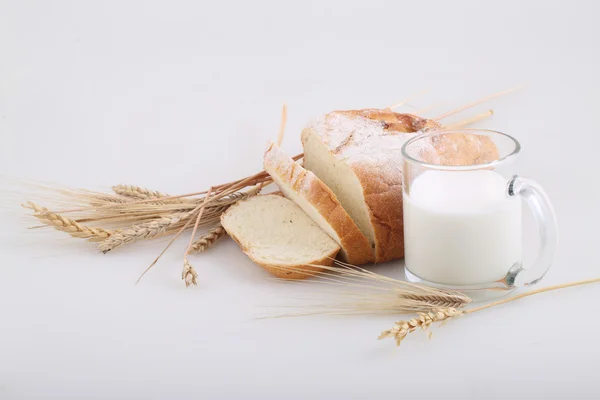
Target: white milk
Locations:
point(461, 228)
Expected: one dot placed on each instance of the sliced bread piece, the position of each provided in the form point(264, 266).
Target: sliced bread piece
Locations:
point(320, 203)
point(277, 235)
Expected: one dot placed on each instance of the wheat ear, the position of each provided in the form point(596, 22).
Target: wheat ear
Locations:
point(68, 225)
point(144, 231)
point(424, 320)
point(189, 274)
point(100, 200)
point(446, 300)
point(187, 267)
point(234, 198)
point(358, 291)
point(206, 241)
point(138, 192)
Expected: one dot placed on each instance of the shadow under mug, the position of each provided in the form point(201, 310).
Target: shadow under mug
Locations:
point(462, 213)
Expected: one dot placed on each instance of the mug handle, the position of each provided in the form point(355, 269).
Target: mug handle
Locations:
point(541, 208)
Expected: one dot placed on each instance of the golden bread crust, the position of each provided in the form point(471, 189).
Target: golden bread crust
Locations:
point(281, 270)
point(305, 184)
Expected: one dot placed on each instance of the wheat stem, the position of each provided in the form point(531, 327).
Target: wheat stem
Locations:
point(533, 292)
point(67, 225)
point(424, 320)
point(183, 228)
point(282, 125)
point(445, 300)
point(143, 231)
point(234, 198)
point(224, 190)
point(137, 192)
point(473, 104)
point(206, 241)
point(406, 100)
point(99, 200)
point(423, 110)
point(471, 120)
point(360, 291)
point(187, 267)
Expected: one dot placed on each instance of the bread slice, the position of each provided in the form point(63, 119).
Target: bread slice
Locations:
point(357, 154)
point(320, 203)
point(277, 235)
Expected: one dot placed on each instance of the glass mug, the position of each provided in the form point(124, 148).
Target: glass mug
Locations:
point(462, 213)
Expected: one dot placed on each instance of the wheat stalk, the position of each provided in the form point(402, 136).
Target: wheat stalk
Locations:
point(148, 219)
point(446, 300)
point(68, 225)
point(406, 100)
point(472, 120)
point(188, 270)
point(101, 199)
point(208, 239)
point(474, 103)
point(128, 219)
point(143, 231)
point(235, 197)
point(359, 291)
point(138, 192)
point(424, 320)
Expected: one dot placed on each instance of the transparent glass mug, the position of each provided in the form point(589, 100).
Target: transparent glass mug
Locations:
point(462, 213)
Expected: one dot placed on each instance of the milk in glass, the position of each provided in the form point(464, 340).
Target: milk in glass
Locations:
point(461, 227)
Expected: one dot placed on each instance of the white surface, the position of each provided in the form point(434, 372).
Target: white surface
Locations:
point(461, 228)
point(178, 96)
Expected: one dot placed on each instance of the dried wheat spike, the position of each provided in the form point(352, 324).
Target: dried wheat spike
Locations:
point(424, 320)
point(68, 225)
point(189, 274)
point(235, 197)
point(101, 200)
point(208, 239)
point(143, 231)
point(138, 192)
point(447, 300)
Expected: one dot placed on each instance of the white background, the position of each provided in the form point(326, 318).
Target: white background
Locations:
point(178, 96)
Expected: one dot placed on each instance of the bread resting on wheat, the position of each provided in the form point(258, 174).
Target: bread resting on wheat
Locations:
point(277, 235)
point(320, 203)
